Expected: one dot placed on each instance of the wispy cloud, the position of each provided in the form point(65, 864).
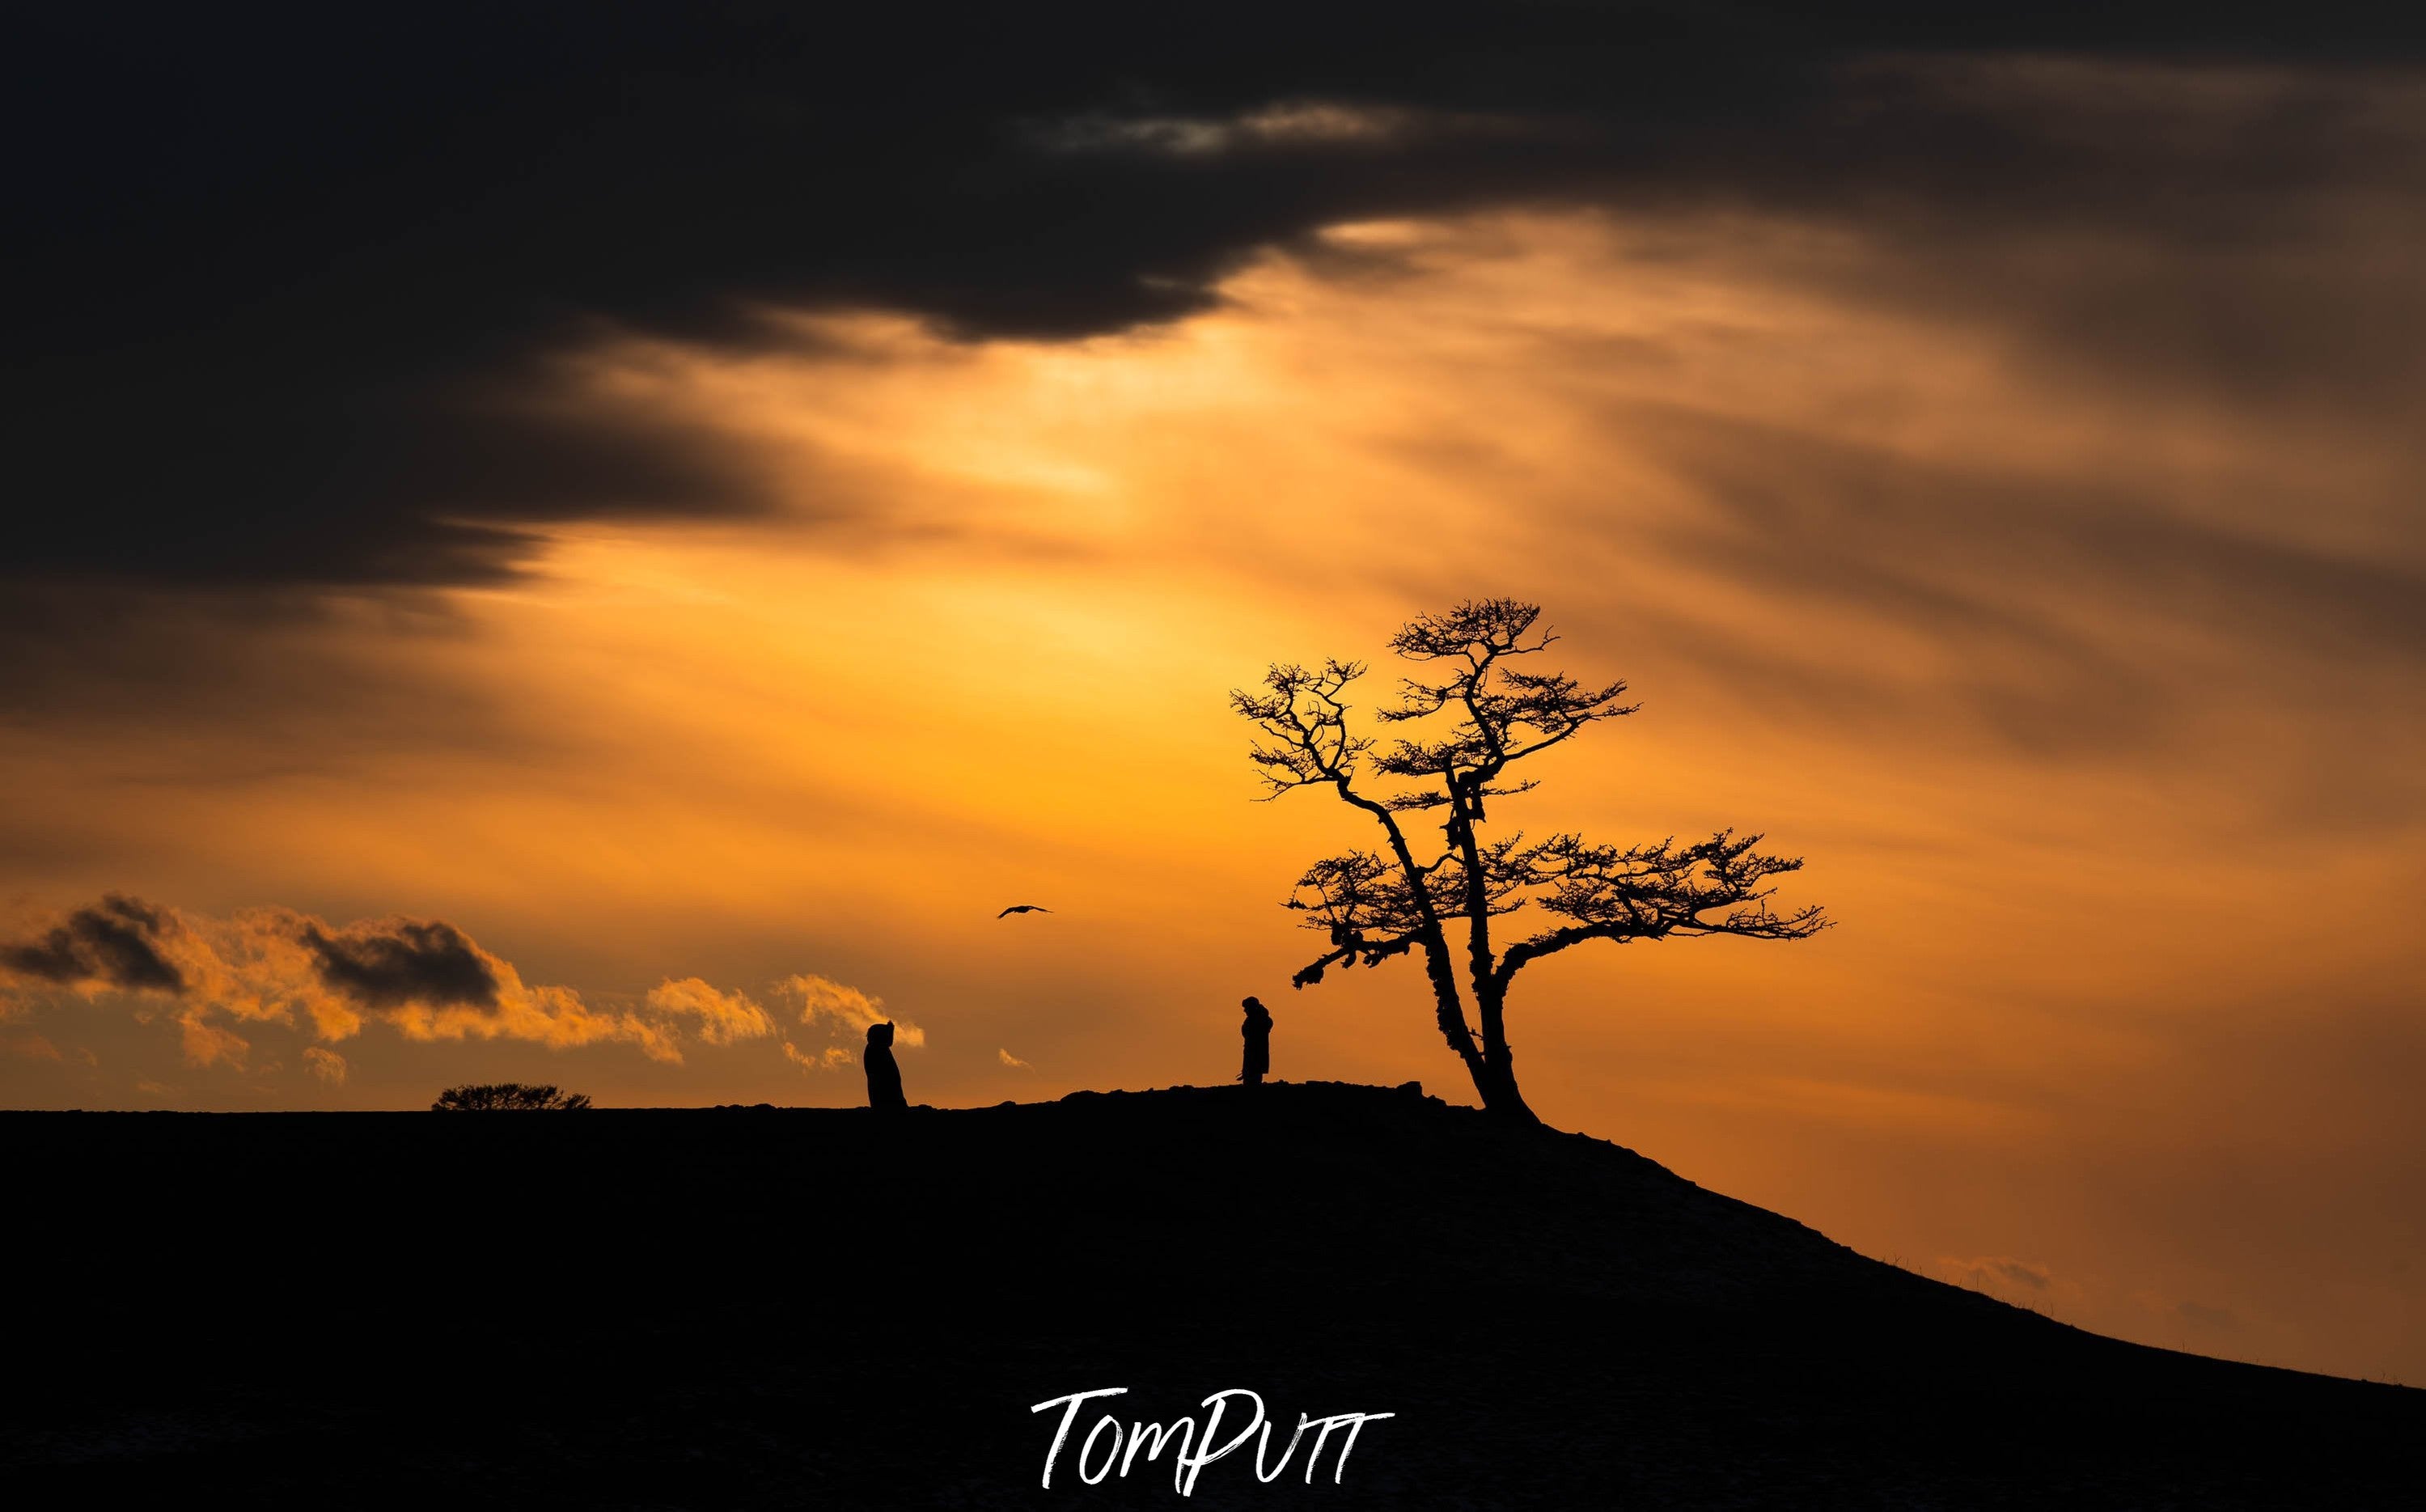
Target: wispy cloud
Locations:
point(842, 1008)
point(29, 1046)
point(1281, 125)
point(722, 1018)
point(2207, 1317)
point(1992, 1273)
point(832, 1058)
point(425, 979)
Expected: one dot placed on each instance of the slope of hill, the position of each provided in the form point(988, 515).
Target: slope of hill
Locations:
point(822, 1308)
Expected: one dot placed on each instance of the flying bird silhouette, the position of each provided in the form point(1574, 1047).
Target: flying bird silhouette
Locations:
point(1022, 909)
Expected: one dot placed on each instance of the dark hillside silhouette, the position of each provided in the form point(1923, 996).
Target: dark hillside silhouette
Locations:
point(814, 1309)
point(1375, 905)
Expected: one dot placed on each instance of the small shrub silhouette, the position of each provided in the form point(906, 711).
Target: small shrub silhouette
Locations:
point(508, 1096)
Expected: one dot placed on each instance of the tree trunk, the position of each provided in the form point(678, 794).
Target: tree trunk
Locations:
point(1497, 1081)
point(1495, 1077)
point(1449, 1009)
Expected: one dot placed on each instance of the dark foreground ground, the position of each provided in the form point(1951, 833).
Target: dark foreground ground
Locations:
point(817, 1309)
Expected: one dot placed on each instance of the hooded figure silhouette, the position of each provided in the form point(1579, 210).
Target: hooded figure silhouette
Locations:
point(1257, 1033)
point(884, 1076)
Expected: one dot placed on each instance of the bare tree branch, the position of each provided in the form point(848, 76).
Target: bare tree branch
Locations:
point(1653, 891)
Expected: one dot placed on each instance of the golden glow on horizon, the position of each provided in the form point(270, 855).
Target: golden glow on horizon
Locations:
point(2064, 814)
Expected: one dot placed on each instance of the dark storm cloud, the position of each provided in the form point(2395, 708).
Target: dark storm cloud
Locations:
point(390, 965)
point(381, 965)
point(279, 278)
point(115, 942)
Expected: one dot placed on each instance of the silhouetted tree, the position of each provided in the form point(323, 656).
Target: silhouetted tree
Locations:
point(508, 1096)
point(1374, 906)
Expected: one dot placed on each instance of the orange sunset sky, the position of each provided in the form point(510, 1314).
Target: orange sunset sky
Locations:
point(2064, 615)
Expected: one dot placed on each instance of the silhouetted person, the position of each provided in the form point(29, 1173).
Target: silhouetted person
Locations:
point(1257, 1033)
point(884, 1076)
